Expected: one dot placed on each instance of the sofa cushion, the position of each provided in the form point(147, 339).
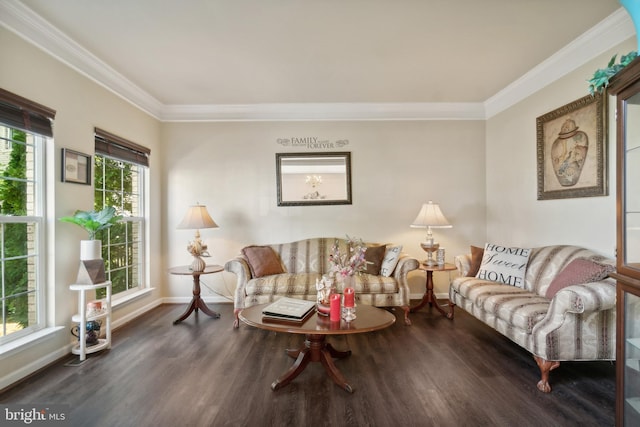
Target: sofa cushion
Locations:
point(283, 284)
point(476, 261)
point(578, 271)
point(517, 307)
point(262, 260)
point(391, 257)
point(374, 256)
point(504, 265)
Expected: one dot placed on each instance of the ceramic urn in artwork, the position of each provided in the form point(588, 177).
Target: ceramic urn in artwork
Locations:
point(568, 153)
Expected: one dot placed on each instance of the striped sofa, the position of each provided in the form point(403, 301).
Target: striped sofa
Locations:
point(304, 261)
point(578, 323)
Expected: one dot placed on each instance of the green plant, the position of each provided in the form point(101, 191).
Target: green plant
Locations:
point(93, 221)
point(600, 79)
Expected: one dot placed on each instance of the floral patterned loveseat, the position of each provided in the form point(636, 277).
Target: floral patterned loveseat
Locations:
point(291, 269)
point(564, 310)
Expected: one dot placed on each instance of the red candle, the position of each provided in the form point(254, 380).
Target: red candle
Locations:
point(334, 307)
point(349, 297)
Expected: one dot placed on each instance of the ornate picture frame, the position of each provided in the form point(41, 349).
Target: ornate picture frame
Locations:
point(76, 167)
point(572, 150)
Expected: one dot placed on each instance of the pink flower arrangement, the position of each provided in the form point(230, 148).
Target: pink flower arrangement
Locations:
point(350, 263)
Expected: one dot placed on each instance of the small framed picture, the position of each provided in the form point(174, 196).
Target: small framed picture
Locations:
point(76, 167)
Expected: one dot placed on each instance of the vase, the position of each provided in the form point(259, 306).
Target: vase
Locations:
point(345, 282)
point(90, 249)
point(633, 9)
point(91, 269)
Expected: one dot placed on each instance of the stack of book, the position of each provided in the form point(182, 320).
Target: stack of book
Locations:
point(289, 310)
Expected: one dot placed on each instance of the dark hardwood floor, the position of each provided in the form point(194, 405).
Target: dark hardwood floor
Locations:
point(202, 372)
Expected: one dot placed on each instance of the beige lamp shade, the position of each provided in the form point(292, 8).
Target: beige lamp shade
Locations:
point(430, 215)
point(196, 218)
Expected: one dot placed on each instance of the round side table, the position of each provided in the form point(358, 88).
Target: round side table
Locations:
point(196, 301)
point(429, 297)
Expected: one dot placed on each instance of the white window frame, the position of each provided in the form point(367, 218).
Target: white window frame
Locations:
point(39, 143)
point(142, 221)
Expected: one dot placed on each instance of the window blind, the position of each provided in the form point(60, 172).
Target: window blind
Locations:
point(21, 113)
point(114, 146)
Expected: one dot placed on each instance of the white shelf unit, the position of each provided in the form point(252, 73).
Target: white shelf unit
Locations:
point(81, 318)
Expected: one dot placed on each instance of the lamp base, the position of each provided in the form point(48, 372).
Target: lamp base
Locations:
point(430, 248)
point(198, 264)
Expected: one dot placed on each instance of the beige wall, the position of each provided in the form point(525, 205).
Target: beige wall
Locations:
point(81, 105)
point(514, 215)
point(396, 166)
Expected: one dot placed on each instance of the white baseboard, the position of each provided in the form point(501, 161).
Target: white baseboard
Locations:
point(32, 367)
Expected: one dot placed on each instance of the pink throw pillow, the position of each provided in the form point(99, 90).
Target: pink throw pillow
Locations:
point(578, 271)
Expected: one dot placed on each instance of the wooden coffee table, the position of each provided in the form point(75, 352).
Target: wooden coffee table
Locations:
point(315, 347)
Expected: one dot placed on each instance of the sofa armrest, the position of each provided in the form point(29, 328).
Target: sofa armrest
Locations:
point(463, 264)
point(405, 264)
point(585, 298)
point(240, 268)
point(579, 324)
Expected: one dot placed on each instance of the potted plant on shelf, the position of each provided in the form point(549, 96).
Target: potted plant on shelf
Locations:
point(93, 222)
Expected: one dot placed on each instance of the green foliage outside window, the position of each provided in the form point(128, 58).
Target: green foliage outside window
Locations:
point(116, 185)
point(13, 201)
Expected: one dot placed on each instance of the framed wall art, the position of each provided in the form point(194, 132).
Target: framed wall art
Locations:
point(76, 167)
point(572, 150)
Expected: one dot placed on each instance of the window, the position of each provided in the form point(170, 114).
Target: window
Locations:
point(119, 177)
point(24, 127)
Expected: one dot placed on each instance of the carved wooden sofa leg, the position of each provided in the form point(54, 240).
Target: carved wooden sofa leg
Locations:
point(236, 319)
point(407, 310)
point(545, 366)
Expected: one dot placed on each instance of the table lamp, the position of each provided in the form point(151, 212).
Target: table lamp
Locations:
point(196, 218)
point(430, 216)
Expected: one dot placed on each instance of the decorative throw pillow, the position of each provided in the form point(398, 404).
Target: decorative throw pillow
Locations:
point(476, 260)
point(578, 271)
point(391, 257)
point(374, 256)
point(504, 265)
point(263, 261)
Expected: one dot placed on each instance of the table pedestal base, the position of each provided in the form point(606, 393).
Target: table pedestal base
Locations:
point(315, 349)
point(197, 303)
point(430, 298)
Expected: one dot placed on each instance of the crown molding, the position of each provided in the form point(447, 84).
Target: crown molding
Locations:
point(613, 30)
point(24, 22)
point(324, 112)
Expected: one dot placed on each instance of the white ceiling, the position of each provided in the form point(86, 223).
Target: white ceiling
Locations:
point(258, 52)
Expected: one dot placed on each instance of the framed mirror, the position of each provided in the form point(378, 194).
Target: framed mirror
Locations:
point(313, 178)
